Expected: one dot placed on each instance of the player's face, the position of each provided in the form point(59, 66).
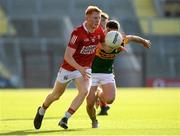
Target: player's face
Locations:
point(94, 20)
point(103, 22)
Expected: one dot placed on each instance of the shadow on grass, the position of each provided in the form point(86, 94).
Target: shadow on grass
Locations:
point(22, 119)
point(35, 132)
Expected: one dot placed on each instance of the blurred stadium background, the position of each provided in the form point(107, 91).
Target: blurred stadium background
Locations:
point(34, 34)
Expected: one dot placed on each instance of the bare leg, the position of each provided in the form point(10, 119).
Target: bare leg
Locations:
point(108, 94)
point(58, 90)
point(83, 88)
point(56, 93)
point(91, 99)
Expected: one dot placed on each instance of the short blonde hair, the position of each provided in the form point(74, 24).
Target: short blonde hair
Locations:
point(104, 15)
point(91, 9)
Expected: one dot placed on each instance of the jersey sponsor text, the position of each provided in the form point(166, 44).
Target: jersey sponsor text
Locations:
point(88, 49)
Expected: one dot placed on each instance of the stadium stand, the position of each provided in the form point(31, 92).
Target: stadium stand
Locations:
point(42, 28)
point(171, 8)
point(160, 26)
point(164, 51)
point(145, 9)
point(6, 28)
point(151, 23)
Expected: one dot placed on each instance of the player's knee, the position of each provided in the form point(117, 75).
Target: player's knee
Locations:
point(110, 101)
point(84, 93)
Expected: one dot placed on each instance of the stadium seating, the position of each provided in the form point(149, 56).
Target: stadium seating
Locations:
point(165, 53)
point(3, 24)
point(55, 8)
point(152, 24)
point(160, 26)
point(6, 28)
point(21, 8)
point(171, 8)
point(144, 8)
point(41, 35)
point(166, 26)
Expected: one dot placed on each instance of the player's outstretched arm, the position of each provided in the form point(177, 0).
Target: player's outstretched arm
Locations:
point(133, 38)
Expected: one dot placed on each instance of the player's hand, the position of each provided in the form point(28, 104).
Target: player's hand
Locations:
point(84, 73)
point(147, 43)
point(123, 49)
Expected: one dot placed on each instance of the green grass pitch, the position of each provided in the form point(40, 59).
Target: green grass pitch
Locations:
point(135, 112)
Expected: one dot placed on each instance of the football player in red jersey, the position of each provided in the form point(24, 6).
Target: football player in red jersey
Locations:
point(76, 66)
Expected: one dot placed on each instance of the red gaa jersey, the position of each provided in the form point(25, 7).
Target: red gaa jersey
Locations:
point(85, 44)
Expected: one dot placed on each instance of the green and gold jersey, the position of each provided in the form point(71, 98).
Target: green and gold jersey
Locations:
point(103, 62)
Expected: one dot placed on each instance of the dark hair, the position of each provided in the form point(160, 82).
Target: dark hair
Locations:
point(104, 15)
point(113, 24)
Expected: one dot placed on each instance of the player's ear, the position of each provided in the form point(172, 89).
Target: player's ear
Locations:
point(86, 17)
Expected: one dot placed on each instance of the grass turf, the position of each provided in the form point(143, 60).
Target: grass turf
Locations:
point(136, 111)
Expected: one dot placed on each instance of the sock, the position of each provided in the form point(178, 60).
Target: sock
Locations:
point(42, 111)
point(93, 119)
point(103, 104)
point(69, 113)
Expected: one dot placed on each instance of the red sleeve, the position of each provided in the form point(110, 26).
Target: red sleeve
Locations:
point(74, 40)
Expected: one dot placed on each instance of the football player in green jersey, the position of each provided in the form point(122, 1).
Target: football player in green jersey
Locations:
point(102, 72)
point(104, 107)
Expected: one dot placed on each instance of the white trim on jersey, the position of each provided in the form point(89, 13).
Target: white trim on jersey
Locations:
point(73, 39)
point(84, 26)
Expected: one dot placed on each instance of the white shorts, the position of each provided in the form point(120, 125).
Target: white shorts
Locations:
point(65, 76)
point(100, 79)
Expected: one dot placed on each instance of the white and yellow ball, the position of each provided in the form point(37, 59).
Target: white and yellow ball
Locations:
point(113, 39)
